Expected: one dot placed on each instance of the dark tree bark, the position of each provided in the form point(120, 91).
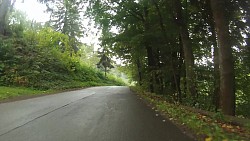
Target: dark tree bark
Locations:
point(216, 92)
point(180, 64)
point(188, 51)
point(227, 84)
point(138, 64)
point(151, 66)
point(150, 52)
point(248, 36)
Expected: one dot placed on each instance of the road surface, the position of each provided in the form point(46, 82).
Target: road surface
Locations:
point(93, 114)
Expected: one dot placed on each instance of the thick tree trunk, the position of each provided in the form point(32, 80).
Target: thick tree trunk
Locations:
point(151, 67)
point(4, 6)
point(150, 53)
point(216, 92)
point(188, 51)
point(227, 84)
point(180, 64)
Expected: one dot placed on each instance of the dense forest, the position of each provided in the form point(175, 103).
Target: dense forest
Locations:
point(192, 52)
point(48, 56)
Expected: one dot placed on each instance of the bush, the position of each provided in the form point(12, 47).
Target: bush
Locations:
point(41, 61)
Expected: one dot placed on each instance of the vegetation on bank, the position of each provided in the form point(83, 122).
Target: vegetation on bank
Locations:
point(39, 58)
point(11, 92)
point(208, 127)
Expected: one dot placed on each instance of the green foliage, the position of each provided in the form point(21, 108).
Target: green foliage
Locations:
point(44, 65)
point(66, 18)
point(10, 92)
point(219, 116)
point(42, 58)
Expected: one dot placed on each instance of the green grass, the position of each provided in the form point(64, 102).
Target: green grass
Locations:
point(10, 92)
point(52, 87)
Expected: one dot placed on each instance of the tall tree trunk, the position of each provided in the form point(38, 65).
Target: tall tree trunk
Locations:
point(216, 92)
point(138, 64)
point(227, 84)
point(188, 51)
point(151, 67)
point(179, 69)
point(248, 36)
point(4, 7)
point(150, 53)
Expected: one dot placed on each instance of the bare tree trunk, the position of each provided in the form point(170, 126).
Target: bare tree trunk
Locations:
point(188, 51)
point(179, 69)
point(150, 53)
point(216, 92)
point(227, 84)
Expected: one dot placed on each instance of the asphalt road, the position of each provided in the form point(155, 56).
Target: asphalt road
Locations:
point(93, 114)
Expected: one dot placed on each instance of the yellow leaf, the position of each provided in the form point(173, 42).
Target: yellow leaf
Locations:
point(209, 139)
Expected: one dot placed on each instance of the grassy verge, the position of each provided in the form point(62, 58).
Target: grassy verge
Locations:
point(7, 93)
point(208, 128)
point(11, 92)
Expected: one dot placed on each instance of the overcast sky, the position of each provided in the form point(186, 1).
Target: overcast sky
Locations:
point(34, 10)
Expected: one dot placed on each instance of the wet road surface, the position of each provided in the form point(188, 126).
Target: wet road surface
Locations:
point(110, 113)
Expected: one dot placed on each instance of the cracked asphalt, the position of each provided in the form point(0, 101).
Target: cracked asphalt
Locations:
point(111, 113)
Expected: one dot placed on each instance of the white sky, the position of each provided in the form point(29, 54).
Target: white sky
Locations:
point(36, 11)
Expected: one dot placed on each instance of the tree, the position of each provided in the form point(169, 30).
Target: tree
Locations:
point(188, 51)
point(105, 62)
point(5, 8)
point(65, 17)
point(227, 84)
point(171, 47)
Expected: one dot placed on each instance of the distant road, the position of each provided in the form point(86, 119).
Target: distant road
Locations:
point(94, 114)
